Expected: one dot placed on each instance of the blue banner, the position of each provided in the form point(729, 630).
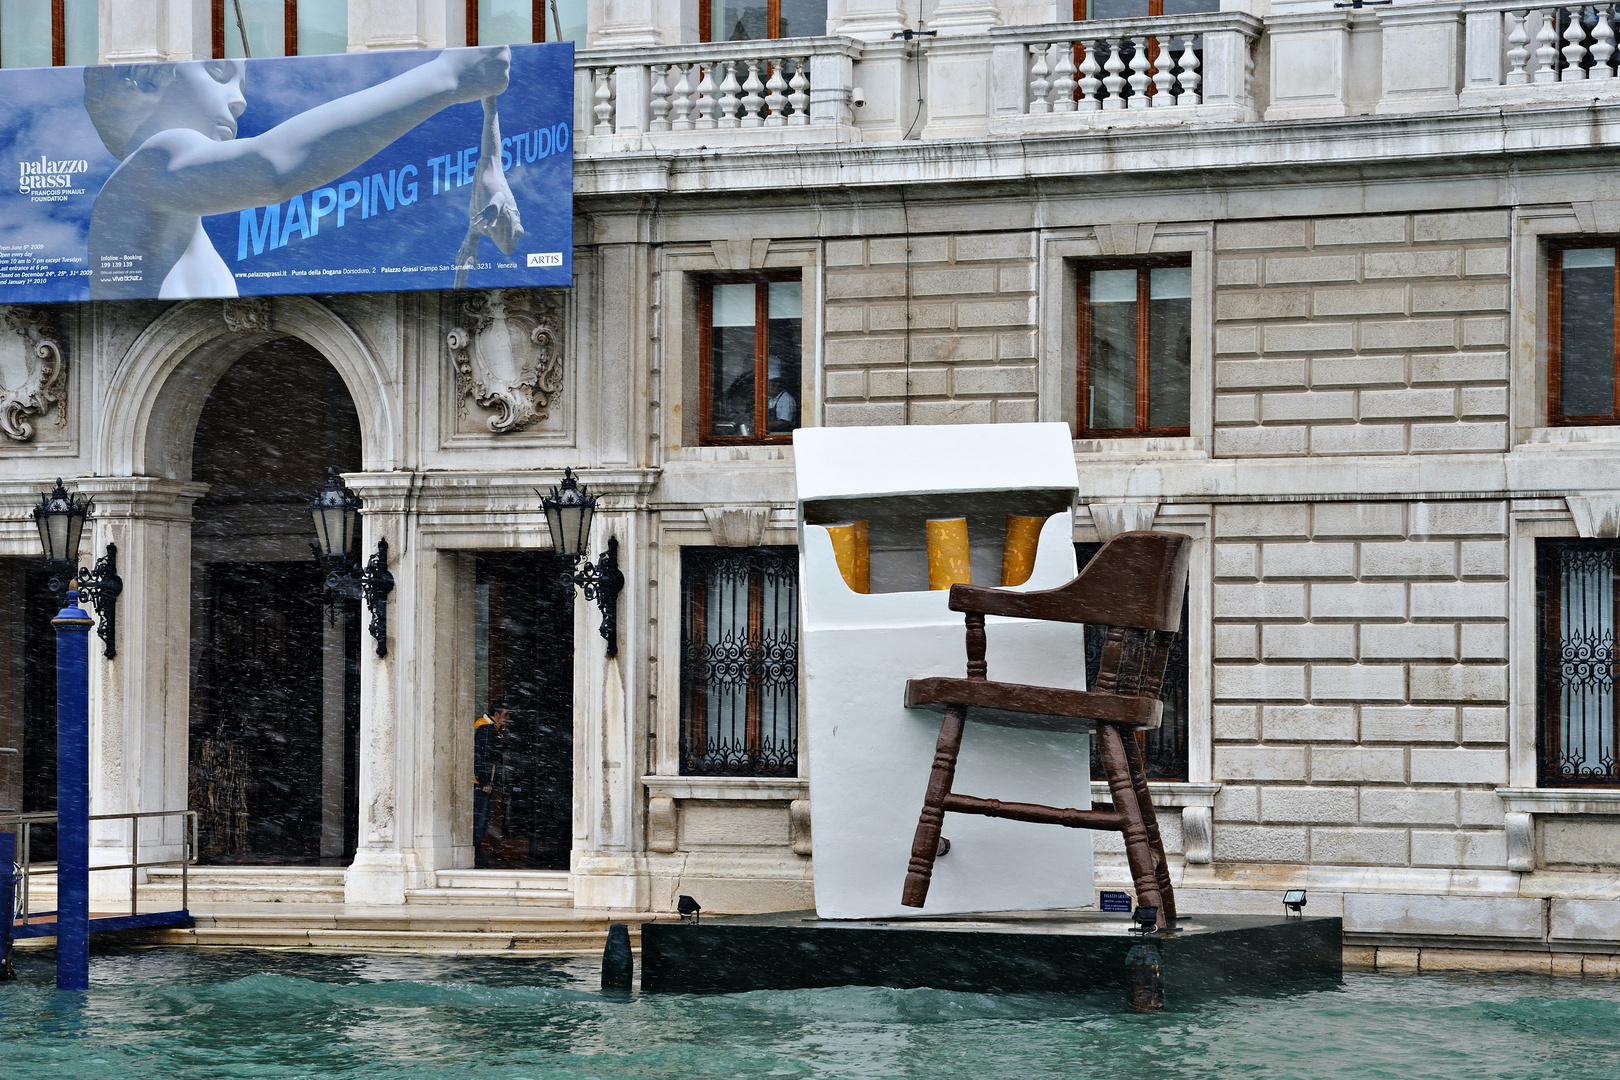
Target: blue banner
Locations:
point(359, 172)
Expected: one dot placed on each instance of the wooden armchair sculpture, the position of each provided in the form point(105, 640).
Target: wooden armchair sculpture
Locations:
point(1133, 586)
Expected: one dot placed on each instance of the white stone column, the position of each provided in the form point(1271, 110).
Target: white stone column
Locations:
point(871, 20)
point(153, 31)
point(139, 700)
point(616, 24)
point(953, 18)
point(404, 24)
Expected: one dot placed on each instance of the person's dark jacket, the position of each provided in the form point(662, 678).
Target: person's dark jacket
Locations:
point(486, 751)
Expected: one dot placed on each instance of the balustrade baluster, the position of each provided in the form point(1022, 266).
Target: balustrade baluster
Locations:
point(1163, 79)
point(1114, 82)
point(705, 99)
point(1602, 46)
point(681, 102)
point(800, 84)
point(1139, 73)
point(1546, 55)
point(1517, 54)
point(659, 105)
point(1038, 86)
point(1063, 78)
point(604, 102)
point(1090, 85)
point(1575, 50)
point(776, 96)
point(728, 96)
point(753, 102)
point(1189, 77)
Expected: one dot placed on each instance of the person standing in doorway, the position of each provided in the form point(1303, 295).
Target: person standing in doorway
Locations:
point(487, 730)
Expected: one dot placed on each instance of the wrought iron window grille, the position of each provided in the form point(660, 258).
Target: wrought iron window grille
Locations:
point(1577, 711)
point(739, 661)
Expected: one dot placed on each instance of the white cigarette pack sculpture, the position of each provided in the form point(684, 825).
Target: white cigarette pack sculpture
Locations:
point(869, 755)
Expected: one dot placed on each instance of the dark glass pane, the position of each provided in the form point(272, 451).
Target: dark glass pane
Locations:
point(25, 33)
point(323, 27)
point(1169, 346)
point(1190, 7)
point(731, 376)
point(1116, 9)
point(1111, 353)
point(784, 353)
point(1586, 333)
point(505, 22)
point(738, 20)
point(803, 18)
point(263, 21)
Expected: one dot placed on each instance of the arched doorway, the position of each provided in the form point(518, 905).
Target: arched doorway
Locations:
point(275, 678)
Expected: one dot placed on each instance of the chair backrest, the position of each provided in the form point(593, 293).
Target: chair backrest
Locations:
point(1135, 582)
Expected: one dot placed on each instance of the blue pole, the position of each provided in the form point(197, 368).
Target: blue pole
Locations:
point(8, 902)
point(72, 796)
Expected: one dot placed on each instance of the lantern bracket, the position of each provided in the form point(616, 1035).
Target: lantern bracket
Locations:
point(601, 581)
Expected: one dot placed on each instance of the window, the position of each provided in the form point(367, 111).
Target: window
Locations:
point(1164, 750)
point(1135, 348)
point(756, 20)
point(740, 661)
point(1136, 9)
point(48, 33)
point(751, 350)
point(1583, 346)
point(280, 27)
point(1576, 664)
point(514, 22)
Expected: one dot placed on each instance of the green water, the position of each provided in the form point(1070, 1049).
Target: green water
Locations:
point(184, 1014)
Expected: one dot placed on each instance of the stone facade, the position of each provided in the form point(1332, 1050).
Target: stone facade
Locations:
point(1367, 469)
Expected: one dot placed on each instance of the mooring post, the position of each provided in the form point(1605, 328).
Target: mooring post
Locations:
point(8, 903)
point(72, 795)
point(1147, 979)
point(618, 965)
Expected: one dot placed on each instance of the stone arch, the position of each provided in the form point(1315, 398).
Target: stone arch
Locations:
point(158, 389)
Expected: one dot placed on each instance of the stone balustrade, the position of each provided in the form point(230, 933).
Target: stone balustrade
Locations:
point(736, 92)
point(1156, 69)
point(1520, 53)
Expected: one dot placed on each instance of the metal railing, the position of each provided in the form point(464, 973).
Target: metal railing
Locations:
point(24, 824)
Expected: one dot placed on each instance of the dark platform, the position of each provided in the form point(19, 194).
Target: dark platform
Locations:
point(103, 923)
point(1012, 952)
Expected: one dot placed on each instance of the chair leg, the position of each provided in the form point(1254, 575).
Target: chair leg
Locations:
point(926, 843)
point(1150, 820)
point(1138, 852)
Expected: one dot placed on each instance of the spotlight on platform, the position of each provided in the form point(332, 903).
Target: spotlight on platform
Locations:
point(1145, 920)
point(688, 908)
point(1294, 901)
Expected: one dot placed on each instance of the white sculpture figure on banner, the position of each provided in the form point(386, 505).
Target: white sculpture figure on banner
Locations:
point(173, 128)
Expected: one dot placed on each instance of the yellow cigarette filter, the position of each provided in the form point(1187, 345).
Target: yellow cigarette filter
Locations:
point(948, 559)
point(1018, 553)
point(849, 541)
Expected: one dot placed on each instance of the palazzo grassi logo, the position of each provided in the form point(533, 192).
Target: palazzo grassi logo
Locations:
point(47, 179)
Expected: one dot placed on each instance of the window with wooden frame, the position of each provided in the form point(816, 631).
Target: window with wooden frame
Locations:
point(740, 661)
point(750, 347)
point(1577, 718)
point(1084, 10)
point(256, 28)
point(515, 22)
point(1134, 354)
point(1164, 750)
point(1583, 335)
point(48, 33)
point(759, 20)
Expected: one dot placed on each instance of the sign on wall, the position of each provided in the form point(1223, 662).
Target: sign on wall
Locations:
point(360, 172)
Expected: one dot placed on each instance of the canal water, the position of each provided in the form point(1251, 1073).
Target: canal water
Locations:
point(248, 1015)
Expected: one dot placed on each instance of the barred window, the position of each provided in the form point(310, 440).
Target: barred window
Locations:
point(1575, 691)
point(1164, 750)
point(740, 661)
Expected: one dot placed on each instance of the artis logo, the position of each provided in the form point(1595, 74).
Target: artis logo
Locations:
point(46, 174)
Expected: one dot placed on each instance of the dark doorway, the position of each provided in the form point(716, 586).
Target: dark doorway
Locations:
point(28, 696)
point(525, 654)
point(275, 699)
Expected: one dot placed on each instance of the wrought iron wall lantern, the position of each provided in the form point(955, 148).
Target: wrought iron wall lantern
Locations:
point(569, 509)
point(335, 513)
point(60, 517)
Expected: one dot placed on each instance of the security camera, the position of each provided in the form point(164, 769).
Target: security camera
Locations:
point(857, 97)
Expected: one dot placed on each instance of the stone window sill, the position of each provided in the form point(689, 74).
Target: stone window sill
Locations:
point(1180, 446)
point(1196, 803)
point(1521, 805)
point(1544, 439)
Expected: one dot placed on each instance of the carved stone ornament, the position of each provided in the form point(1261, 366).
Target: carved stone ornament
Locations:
point(507, 348)
point(247, 314)
point(33, 371)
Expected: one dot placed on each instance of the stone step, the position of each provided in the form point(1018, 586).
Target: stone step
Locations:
point(245, 884)
point(546, 898)
point(515, 880)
